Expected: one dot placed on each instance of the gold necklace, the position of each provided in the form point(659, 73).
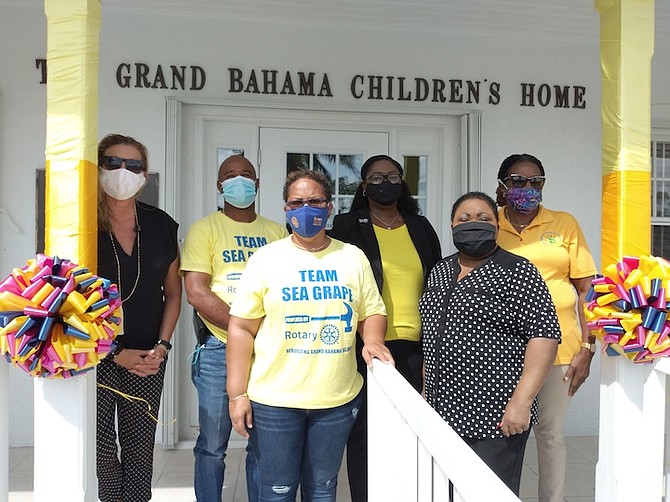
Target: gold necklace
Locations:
point(388, 225)
point(520, 225)
point(118, 263)
point(311, 250)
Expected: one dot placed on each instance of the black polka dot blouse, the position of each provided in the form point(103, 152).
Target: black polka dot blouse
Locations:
point(474, 335)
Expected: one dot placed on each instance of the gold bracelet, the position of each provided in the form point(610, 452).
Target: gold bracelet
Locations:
point(239, 397)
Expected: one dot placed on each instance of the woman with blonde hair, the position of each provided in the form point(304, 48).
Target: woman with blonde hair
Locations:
point(138, 250)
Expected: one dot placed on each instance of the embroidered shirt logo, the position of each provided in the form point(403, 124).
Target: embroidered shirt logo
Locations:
point(551, 239)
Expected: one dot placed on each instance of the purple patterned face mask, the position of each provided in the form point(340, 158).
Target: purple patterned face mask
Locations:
point(523, 200)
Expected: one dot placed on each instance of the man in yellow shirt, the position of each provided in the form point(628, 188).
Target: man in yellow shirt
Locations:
point(215, 253)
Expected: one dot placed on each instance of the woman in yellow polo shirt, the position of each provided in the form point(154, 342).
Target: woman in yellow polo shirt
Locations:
point(555, 244)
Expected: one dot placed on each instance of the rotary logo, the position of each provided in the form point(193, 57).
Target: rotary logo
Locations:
point(330, 334)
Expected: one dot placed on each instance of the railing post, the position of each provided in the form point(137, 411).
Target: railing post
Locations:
point(632, 429)
point(413, 453)
point(394, 456)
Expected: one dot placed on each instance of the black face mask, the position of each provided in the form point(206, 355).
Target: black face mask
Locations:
point(385, 193)
point(474, 238)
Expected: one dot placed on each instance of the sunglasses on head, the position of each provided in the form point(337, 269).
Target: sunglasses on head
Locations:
point(112, 163)
point(519, 181)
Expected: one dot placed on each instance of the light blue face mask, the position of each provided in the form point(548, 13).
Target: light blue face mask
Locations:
point(239, 192)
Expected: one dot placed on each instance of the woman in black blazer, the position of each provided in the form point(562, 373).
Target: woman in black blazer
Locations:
point(402, 247)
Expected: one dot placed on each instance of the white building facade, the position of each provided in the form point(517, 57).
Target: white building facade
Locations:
point(450, 87)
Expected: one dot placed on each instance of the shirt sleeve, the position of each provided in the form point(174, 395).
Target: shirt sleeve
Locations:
point(535, 310)
point(197, 256)
point(248, 302)
point(581, 261)
point(371, 301)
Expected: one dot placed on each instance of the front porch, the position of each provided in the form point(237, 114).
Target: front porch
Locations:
point(173, 480)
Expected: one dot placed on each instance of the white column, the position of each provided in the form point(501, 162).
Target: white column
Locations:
point(632, 429)
point(65, 439)
point(4, 432)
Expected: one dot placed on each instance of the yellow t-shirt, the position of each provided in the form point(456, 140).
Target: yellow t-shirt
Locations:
point(220, 247)
point(403, 283)
point(555, 244)
point(310, 303)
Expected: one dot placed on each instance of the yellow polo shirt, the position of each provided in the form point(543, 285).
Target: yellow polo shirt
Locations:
point(555, 244)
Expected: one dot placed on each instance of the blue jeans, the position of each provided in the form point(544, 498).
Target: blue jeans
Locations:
point(296, 447)
point(208, 374)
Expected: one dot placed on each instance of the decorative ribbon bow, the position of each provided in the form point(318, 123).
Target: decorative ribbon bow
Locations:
point(57, 319)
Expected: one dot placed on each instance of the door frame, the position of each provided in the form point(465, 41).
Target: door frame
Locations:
point(304, 118)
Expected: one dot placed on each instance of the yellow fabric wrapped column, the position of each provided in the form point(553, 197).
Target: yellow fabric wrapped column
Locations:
point(65, 409)
point(72, 130)
point(628, 393)
point(626, 48)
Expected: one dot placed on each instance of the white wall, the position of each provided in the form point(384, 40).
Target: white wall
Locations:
point(566, 140)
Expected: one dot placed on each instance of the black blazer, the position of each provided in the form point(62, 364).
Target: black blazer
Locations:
point(355, 228)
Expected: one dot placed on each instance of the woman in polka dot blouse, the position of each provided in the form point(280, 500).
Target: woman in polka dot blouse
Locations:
point(489, 337)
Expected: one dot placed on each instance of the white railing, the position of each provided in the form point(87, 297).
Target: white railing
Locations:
point(413, 453)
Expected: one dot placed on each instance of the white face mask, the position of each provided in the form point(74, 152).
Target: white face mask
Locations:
point(121, 184)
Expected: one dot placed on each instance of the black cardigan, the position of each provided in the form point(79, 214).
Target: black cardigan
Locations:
point(355, 228)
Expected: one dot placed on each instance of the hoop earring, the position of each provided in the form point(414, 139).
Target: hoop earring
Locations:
point(365, 193)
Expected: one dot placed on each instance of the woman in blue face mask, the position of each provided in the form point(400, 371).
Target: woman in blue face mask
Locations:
point(554, 242)
point(489, 334)
point(291, 354)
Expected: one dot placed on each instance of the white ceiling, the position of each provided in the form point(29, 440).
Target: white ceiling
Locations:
point(547, 16)
point(548, 19)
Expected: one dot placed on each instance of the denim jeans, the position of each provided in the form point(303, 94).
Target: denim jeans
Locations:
point(296, 447)
point(208, 374)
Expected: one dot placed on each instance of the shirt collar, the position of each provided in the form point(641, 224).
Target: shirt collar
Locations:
point(541, 217)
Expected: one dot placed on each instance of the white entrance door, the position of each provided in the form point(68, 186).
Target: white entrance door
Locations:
point(339, 154)
point(432, 150)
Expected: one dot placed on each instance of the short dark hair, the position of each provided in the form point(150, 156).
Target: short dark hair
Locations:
point(317, 176)
point(475, 195)
point(515, 159)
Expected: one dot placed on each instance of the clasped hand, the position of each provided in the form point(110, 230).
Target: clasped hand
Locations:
point(141, 362)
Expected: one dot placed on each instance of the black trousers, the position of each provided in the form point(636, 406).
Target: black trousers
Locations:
point(127, 476)
point(504, 456)
point(408, 360)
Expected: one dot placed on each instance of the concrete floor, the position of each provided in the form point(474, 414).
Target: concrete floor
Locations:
point(173, 474)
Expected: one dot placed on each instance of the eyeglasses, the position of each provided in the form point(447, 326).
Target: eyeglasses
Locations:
point(378, 179)
point(519, 181)
point(112, 163)
point(298, 203)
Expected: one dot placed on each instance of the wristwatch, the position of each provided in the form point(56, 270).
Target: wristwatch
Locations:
point(165, 344)
point(114, 352)
point(591, 347)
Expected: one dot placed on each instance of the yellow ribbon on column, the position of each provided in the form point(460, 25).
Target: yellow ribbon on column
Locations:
point(71, 145)
point(626, 48)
